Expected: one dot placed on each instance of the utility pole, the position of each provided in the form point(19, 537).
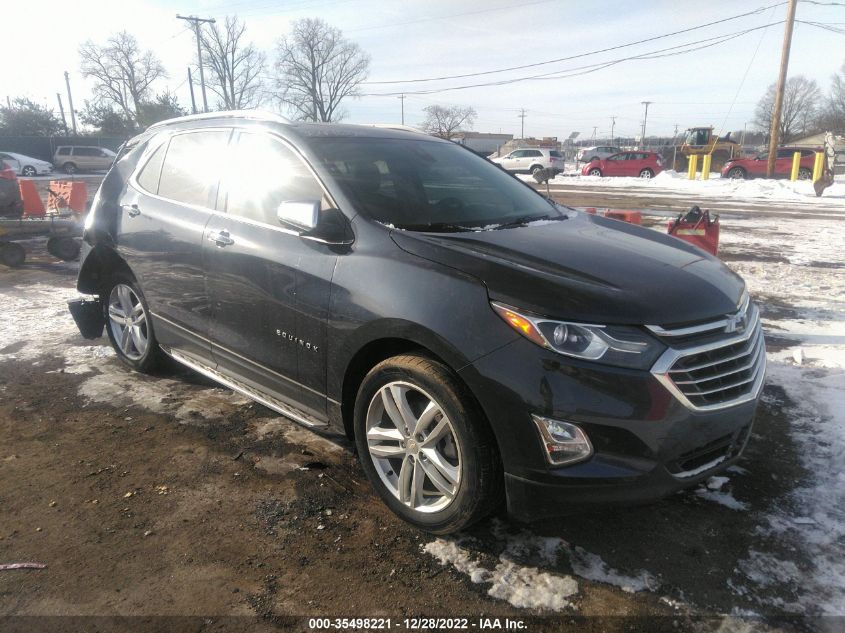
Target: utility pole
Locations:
point(191, 85)
point(645, 119)
point(595, 127)
point(8, 102)
point(196, 22)
point(62, 110)
point(612, 126)
point(70, 103)
point(675, 149)
point(402, 99)
point(778, 107)
point(522, 116)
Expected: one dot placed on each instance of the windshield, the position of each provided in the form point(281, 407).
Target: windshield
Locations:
point(429, 186)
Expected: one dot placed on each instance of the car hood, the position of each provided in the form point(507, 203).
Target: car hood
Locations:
point(588, 269)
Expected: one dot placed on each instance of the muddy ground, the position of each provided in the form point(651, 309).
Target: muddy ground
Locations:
point(168, 496)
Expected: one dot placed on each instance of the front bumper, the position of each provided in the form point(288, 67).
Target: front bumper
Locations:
point(646, 443)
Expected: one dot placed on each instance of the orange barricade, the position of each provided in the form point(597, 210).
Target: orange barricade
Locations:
point(33, 206)
point(631, 217)
point(66, 194)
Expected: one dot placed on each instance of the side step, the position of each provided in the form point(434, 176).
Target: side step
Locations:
point(250, 392)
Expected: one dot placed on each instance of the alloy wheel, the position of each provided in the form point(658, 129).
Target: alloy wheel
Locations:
point(128, 321)
point(413, 447)
point(595, 172)
point(29, 171)
point(645, 173)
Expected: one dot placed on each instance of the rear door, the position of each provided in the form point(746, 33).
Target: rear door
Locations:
point(269, 287)
point(783, 162)
point(164, 210)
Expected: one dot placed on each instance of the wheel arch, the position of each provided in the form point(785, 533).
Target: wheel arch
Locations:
point(99, 264)
point(399, 340)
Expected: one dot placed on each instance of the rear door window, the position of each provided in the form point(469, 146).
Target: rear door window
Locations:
point(87, 151)
point(191, 170)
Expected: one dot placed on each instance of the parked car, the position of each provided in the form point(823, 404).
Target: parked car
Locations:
point(531, 160)
point(756, 166)
point(26, 165)
point(73, 158)
point(476, 340)
point(587, 154)
point(10, 195)
point(641, 164)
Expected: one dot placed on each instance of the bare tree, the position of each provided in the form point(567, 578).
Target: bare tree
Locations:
point(234, 65)
point(832, 118)
point(445, 122)
point(317, 68)
point(801, 99)
point(122, 72)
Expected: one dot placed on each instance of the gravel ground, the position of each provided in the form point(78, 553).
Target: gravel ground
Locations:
point(167, 496)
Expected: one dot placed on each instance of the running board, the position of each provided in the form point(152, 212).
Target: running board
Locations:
point(267, 400)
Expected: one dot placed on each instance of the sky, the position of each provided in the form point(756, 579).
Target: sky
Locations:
point(419, 39)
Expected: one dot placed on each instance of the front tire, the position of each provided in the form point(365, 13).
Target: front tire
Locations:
point(425, 446)
point(29, 171)
point(129, 326)
point(737, 173)
point(69, 168)
point(805, 174)
point(595, 171)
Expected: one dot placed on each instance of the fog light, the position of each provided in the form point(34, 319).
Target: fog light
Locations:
point(564, 442)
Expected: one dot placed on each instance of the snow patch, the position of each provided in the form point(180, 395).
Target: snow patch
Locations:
point(521, 586)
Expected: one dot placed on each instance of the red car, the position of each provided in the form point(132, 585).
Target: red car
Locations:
point(642, 164)
point(755, 167)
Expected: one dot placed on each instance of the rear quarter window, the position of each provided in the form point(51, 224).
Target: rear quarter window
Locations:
point(148, 177)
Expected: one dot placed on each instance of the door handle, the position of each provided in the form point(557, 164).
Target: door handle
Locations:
point(221, 238)
point(131, 209)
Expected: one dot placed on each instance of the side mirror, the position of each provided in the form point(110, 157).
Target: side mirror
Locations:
point(299, 215)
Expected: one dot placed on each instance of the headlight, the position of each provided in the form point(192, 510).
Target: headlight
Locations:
point(618, 345)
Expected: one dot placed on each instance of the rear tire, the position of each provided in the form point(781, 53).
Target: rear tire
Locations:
point(134, 339)
point(535, 169)
point(646, 173)
point(805, 174)
point(445, 473)
point(12, 255)
point(595, 171)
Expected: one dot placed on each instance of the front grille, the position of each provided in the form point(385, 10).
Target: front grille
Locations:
point(719, 373)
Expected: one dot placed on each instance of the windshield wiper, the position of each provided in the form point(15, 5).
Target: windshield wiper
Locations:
point(526, 219)
point(437, 227)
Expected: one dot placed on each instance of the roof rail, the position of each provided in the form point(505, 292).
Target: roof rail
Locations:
point(393, 126)
point(263, 115)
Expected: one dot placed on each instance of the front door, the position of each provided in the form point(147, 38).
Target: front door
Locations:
point(164, 211)
point(269, 287)
point(615, 165)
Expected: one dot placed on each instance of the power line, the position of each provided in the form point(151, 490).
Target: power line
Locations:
point(590, 68)
point(579, 55)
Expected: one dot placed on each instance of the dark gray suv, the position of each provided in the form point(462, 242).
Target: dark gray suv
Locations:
point(479, 342)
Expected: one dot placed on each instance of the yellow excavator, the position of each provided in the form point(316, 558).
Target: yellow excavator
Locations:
point(701, 140)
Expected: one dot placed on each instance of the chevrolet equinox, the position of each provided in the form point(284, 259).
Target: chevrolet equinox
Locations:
point(478, 342)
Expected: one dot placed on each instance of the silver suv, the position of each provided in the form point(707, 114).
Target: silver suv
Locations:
point(73, 158)
point(587, 154)
point(531, 160)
